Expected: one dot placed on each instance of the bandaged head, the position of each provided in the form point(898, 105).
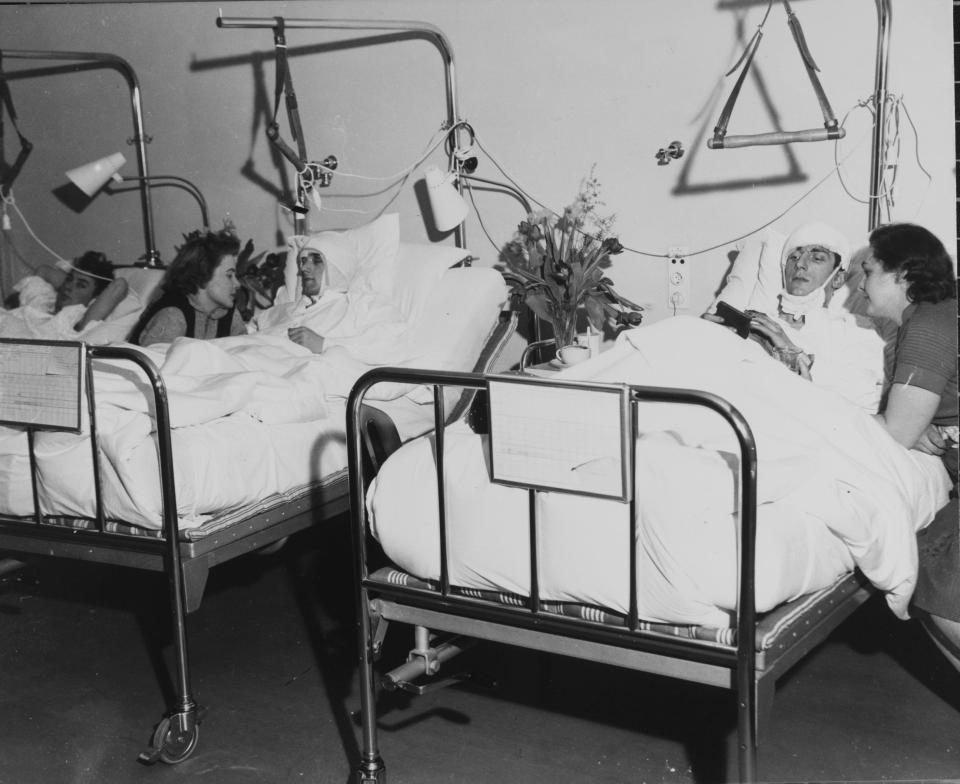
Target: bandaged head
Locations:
point(339, 256)
point(821, 236)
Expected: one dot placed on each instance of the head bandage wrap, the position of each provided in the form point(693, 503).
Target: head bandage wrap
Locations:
point(825, 236)
point(339, 256)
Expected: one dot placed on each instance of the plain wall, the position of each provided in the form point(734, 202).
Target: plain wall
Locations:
point(551, 87)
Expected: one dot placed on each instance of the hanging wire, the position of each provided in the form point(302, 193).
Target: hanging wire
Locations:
point(436, 140)
point(716, 246)
point(891, 151)
point(476, 212)
point(10, 201)
point(396, 180)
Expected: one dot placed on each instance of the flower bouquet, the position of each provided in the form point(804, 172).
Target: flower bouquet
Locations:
point(556, 264)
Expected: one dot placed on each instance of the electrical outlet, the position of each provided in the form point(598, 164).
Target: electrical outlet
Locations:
point(678, 279)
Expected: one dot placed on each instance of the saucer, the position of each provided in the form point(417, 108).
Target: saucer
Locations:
point(559, 363)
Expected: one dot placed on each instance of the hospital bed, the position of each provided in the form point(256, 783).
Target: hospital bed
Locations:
point(105, 460)
point(642, 525)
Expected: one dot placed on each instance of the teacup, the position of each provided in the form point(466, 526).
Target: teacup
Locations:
point(573, 354)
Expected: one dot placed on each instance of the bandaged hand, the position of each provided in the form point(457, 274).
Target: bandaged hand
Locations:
point(774, 339)
point(771, 329)
point(306, 337)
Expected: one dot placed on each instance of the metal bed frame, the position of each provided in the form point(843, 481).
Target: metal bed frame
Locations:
point(185, 558)
point(745, 665)
point(185, 562)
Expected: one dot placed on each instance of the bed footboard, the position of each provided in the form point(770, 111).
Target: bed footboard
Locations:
point(48, 386)
point(746, 657)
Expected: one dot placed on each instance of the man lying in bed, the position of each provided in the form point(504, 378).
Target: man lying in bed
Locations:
point(331, 310)
point(837, 350)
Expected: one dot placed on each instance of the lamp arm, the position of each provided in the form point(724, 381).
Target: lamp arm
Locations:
point(503, 185)
point(182, 183)
point(152, 256)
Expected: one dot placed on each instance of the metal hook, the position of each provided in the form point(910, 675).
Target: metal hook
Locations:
point(673, 151)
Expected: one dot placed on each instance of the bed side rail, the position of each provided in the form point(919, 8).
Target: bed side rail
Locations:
point(24, 362)
point(746, 615)
point(528, 625)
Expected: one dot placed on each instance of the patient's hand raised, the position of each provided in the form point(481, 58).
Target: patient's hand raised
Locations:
point(306, 337)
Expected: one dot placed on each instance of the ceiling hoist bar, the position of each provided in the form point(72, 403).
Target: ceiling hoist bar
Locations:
point(310, 175)
point(831, 128)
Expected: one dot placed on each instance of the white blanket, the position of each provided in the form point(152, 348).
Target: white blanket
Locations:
point(251, 415)
point(834, 491)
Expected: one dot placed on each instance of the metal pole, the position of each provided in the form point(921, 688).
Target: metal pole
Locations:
point(877, 157)
point(151, 256)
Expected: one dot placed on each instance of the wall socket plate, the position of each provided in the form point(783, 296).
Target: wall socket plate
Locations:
point(678, 278)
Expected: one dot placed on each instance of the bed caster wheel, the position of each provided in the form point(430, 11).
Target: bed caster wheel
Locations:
point(172, 742)
point(372, 773)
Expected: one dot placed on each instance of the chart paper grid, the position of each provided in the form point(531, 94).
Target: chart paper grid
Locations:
point(40, 384)
point(570, 437)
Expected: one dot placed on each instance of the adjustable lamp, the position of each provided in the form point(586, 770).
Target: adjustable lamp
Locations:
point(448, 206)
point(91, 177)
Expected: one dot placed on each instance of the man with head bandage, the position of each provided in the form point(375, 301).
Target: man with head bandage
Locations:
point(828, 346)
point(813, 265)
point(330, 306)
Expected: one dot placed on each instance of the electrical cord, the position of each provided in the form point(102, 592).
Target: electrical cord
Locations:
point(10, 201)
point(892, 139)
point(835, 169)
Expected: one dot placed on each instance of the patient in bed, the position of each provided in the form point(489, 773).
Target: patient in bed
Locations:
point(829, 346)
point(57, 301)
point(331, 309)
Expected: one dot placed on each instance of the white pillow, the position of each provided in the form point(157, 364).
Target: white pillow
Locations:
point(360, 259)
point(754, 281)
point(418, 269)
point(144, 284)
point(128, 306)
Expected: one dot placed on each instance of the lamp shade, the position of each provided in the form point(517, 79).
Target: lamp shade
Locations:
point(91, 177)
point(448, 207)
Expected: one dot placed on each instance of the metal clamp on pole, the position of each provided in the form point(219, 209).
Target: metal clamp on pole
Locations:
point(426, 659)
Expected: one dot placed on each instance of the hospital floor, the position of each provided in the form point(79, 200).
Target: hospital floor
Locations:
point(85, 668)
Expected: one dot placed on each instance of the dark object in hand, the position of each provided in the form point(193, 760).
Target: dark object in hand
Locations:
point(733, 318)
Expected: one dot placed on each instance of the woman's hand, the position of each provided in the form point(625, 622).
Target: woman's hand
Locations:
point(306, 337)
point(932, 441)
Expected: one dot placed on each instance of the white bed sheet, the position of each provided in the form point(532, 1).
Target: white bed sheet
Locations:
point(834, 491)
point(251, 416)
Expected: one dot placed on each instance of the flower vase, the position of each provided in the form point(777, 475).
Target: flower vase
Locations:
point(565, 331)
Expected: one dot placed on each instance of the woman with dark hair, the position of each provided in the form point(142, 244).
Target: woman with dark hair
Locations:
point(910, 279)
point(88, 281)
point(199, 291)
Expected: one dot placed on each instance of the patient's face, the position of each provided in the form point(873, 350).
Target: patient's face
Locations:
point(76, 289)
point(807, 268)
point(311, 265)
